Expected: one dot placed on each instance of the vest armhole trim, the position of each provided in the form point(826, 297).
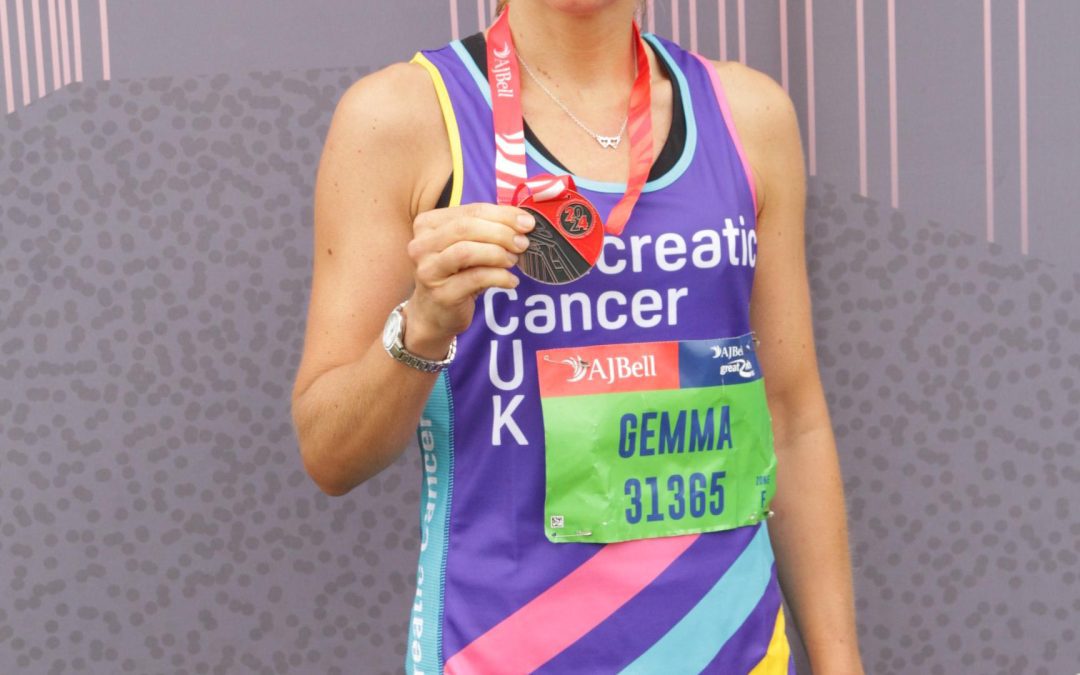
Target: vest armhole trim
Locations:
point(452, 130)
point(725, 112)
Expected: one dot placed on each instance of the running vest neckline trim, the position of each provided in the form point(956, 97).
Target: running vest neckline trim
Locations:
point(673, 144)
point(662, 181)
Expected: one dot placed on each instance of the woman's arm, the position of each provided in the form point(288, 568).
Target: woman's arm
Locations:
point(808, 530)
point(376, 240)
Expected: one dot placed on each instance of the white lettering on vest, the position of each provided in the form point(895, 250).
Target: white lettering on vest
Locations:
point(517, 367)
point(504, 418)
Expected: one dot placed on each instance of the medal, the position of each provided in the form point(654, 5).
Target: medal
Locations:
point(568, 236)
point(569, 232)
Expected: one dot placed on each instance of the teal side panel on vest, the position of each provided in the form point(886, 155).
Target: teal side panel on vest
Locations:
point(435, 436)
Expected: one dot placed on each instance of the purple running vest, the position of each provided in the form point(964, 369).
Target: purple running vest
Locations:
point(493, 595)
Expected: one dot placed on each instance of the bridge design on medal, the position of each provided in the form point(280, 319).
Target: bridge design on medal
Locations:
point(550, 258)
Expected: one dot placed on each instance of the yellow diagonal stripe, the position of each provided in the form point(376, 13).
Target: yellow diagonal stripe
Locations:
point(776, 657)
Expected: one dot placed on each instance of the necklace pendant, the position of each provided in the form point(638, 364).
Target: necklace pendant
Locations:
point(609, 141)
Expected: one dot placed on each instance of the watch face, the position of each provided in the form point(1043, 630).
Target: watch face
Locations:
point(391, 329)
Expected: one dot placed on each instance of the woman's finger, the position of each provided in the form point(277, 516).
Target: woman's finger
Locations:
point(466, 284)
point(437, 268)
point(469, 228)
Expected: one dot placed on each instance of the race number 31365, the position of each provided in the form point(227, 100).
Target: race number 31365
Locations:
point(690, 496)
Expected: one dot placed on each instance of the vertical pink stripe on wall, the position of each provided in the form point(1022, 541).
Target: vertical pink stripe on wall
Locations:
point(693, 25)
point(894, 161)
point(76, 31)
point(860, 70)
point(811, 132)
point(54, 44)
point(481, 9)
point(106, 65)
point(783, 45)
point(455, 31)
point(722, 28)
point(741, 6)
point(5, 44)
point(24, 62)
point(988, 104)
point(39, 57)
point(1021, 26)
point(65, 59)
point(650, 15)
point(675, 20)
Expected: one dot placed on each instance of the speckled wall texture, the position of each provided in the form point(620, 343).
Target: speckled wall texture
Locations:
point(155, 236)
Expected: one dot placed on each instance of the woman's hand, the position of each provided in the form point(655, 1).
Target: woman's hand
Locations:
point(457, 253)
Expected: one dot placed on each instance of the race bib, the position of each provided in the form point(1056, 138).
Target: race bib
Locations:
point(654, 439)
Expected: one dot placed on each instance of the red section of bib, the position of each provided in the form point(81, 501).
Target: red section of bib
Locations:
point(605, 369)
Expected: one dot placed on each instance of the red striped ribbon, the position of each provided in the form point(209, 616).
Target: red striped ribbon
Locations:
point(504, 79)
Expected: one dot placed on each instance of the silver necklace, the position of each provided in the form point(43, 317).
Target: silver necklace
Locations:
point(611, 142)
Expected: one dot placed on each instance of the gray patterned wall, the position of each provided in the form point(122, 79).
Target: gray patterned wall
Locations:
point(155, 234)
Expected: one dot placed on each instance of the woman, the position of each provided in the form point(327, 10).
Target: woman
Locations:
point(407, 208)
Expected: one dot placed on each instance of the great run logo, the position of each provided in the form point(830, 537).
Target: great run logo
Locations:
point(741, 367)
point(737, 364)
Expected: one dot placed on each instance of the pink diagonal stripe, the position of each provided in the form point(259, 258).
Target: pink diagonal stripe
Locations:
point(54, 43)
point(5, 44)
point(39, 58)
point(988, 89)
point(1021, 26)
point(729, 121)
point(811, 128)
point(76, 31)
point(558, 617)
point(24, 63)
point(66, 60)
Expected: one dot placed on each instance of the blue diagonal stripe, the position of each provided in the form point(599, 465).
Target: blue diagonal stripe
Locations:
point(693, 642)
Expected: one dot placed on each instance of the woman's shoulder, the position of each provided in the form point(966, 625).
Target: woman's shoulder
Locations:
point(764, 117)
point(398, 99)
point(392, 118)
point(752, 90)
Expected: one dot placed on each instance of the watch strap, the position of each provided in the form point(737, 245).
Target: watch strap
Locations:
point(398, 351)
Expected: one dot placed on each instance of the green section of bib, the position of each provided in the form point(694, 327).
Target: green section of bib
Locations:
point(625, 466)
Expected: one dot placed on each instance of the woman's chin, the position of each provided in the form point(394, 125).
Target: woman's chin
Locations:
point(580, 7)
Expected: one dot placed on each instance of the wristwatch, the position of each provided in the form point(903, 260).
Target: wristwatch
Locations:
point(393, 339)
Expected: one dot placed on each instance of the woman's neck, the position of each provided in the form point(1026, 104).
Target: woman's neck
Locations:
point(584, 51)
